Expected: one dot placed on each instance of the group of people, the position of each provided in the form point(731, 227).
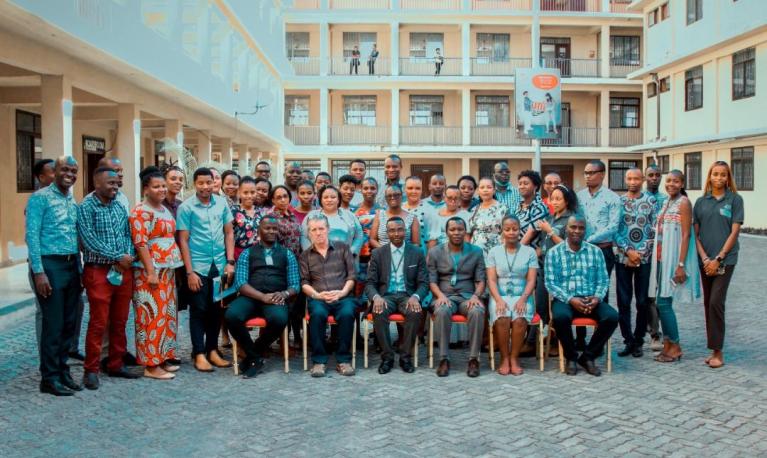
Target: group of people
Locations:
point(485, 253)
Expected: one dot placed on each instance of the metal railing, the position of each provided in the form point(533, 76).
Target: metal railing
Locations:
point(619, 6)
point(621, 68)
point(430, 135)
point(430, 4)
point(360, 135)
point(303, 135)
point(360, 4)
point(492, 135)
point(482, 66)
point(305, 65)
point(625, 136)
point(343, 66)
point(591, 6)
point(575, 136)
point(501, 5)
point(573, 67)
point(451, 66)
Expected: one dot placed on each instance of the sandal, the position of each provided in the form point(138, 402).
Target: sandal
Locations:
point(168, 367)
point(165, 376)
point(664, 358)
point(715, 365)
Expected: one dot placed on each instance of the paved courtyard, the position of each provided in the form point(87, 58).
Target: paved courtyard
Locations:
point(642, 408)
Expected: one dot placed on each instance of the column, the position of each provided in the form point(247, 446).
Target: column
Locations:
point(604, 118)
point(466, 48)
point(129, 148)
point(278, 170)
point(466, 5)
point(243, 160)
point(226, 152)
point(57, 107)
point(395, 117)
point(174, 130)
point(324, 48)
point(604, 52)
point(324, 4)
point(324, 163)
point(465, 165)
point(605, 6)
point(394, 46)
point(324, 114)
point(535, 41)
point(204, 147)
point(395, 5)
point(466, 115)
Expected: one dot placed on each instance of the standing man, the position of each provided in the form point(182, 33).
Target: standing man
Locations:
point(372, 60)
point(550, 181)
point(292, 181)
point(635, 240)
point(117, 165)
point(457, 280)
point(263, 170)
point(527, 114)
point(108, 252)
point(397, 282)
point(653, 176)
point(392, 171)
point(437, 185)
point(357, 169)
point(327, 279)
point(206, 239)
point(505, 192)
point(54, 262)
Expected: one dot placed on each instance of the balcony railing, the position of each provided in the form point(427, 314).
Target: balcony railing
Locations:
point(451, 66)
point(619, 68)
point(491, 135)
point(625, 136)
point(573, 67)
point(305, 65)
point(360, 135)
point(483, 66)
point(430, 4)
point(619, 6)
point(575, 136)
point(501, 5)
point(303, 135)
point(430, 135)
point(360, 4)
point(591, 6)
point(343, 66)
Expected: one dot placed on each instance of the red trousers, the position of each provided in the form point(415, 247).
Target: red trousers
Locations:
point(108, 305)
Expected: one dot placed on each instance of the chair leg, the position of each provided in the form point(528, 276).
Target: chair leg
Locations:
point(415, 352)
point(354, 344)
point(365, 341)
point(561, 357)
point(609, 357)
point(431, 343)
point(541, 353)
point(306, 358)
point(235, 359)
point(492, 347)
point(285, 349)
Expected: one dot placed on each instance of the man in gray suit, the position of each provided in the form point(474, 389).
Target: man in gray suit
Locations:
point(457, 280)
point(397, 282)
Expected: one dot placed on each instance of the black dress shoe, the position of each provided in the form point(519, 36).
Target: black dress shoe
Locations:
point(627, 350)
point(253, 368)
point(444, 368)
point(129, 359)
point(76, 355)
point(580, 344)
point(571, 367)
point(406, 365)
point(637, 351)
point(173, 361)
point(67, 381)
point(91, 380)
point(55, 388)
point(473, 369)
point(385, 366)
point(589, 366)
point(123, 373)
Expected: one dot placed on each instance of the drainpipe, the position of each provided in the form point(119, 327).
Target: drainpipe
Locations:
point(656, 81)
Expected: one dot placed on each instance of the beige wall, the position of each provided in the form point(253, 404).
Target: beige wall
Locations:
point(451, 38)
point(584, 109)
point(383, 38)
point(314, 104)
point(451, 108)
point(383, 106)
point(314, 36)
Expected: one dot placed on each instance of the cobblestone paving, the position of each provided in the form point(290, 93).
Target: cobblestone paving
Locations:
point(642, 408)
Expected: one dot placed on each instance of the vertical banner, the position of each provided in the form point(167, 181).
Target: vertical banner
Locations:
point(538, 103)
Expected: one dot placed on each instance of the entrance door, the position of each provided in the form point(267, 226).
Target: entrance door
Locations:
point(555, 53)
point(91, 164)
point(565, 171)
point(425, 171)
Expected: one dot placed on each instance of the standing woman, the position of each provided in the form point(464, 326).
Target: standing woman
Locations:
point(676, 263)
point(230, 184)
point(153, 230)
point(511, 271)
point(174, 181)
point(289, 230)
point(485, 222)
point(246, 217)
point(424, 213)
point(718, 215)
point(261, 199)
point(365, 214)
point(452, 208)
point(305, 201)
point(216, 181)
point(468, 185)
point(378, 234)
point(531, 207)
point(344, 226)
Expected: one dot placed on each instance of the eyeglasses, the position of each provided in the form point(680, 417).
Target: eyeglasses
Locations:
point(589, 173)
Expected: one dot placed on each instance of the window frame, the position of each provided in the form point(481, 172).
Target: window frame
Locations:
point(623, 103)
point(690, 76)
point(652, 18)
point(652, 89)
point(621, 165)
point(290, 101)
point(697, 7)
point(290, 53)
point(694, 180)
point(665, 84)
point(748, 59)
point(361, 100)
point(665, 12)
point(432, 101)
point(493, 100)
point(34, 137)
point(743, 158)
point(625, 42)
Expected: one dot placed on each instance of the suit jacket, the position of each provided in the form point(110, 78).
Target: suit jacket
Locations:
point(415, 273)
point(471, 269)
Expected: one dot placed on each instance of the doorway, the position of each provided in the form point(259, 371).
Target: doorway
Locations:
point(555, 53)
point(565, 171)
point(425, 171)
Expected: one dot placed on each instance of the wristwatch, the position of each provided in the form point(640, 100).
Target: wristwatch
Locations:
point(719, 259)
point(230, 262)
point(681, 264)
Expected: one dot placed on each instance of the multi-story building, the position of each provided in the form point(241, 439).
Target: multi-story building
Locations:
point(460, 121)
point(705, 88)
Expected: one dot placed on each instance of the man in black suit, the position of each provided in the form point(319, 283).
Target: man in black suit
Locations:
point(397, 282)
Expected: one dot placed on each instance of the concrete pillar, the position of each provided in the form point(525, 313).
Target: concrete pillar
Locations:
point(324, 115)
point(395, 46)
point(204, 147)
point(466, 4)
point(395, 117)
point(535, 38)
point(605, 6)
point(226, 153)
point(243, 160)
point(174, 130)
point(324, 4)
point(129, 148)
point(395, 5)
point(466, 48)
point(278, 169)
point(604, 118)
point(604, 51)
point(324, 164)
point(465, 165)
point(324, 47)
point(466, 115)
point(57, 107)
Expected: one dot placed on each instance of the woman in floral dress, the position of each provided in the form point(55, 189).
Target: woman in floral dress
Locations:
point(289, 234)
point(485, 222)
point(246, 217)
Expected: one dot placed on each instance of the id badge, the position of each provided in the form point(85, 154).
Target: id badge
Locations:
point(454, 279)
point(269, 261)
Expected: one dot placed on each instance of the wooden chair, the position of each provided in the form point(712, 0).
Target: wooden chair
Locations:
point(393, 318)
point(254, 323)
point(536, 321)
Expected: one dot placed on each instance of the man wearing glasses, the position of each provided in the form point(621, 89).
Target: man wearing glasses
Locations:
point(263, 170)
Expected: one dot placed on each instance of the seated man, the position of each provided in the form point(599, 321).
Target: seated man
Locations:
point(327, 279)
point(457, 280)
point(267, 278)
point(396, 282)
point(577, 279)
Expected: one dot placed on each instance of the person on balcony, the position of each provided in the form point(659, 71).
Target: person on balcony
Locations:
point(354, 64)
point(438, 61)
point(372, 60)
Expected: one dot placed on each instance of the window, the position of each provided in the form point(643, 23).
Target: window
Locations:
point(665, 84)
point(309, 164)
point(297, 45)
point(296, 110)
point(29, 148)
point(373, 168)
point(692, 170)
point(492, 110)
point(426, 110)
point(664, 12)
point(424, 44)
point(364, 40)
point(694, 11)
point(652, 90)
point(624, 112)
point(693, 88)
point(624, 50)
point(744, 74)
point(742, 162)
point(487, 166)
point(360, 110)
point(652, 17)
point(662, 163)
point(493, 46)
point(617, 180)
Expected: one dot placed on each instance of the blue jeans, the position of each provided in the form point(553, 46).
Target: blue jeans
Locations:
point(667, 318)
point(343, 311)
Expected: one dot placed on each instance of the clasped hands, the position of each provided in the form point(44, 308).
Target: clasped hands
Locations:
point(413, 305)
point(584, 305)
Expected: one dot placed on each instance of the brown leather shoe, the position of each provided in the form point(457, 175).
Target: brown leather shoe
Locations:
point(215, 358)
point(473, 370)
point(444, 368)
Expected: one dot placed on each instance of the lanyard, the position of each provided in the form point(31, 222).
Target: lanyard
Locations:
point(456, 259)
point(395, 269)
point(510, 265)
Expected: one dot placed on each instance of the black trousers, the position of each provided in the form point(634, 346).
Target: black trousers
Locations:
point(204, 316)
point(244, 308)
point(714, 296)
point(396, 303)
point(632, 282)
point(59, 314)
point(563, 314)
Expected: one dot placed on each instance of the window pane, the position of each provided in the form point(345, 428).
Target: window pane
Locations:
point(296, 110)
point(360, 110)
point(492, 111)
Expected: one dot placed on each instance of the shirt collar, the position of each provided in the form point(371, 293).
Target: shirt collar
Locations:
point(197, 202)
point(727, 194)
point(330, 247)
point(567, 246)
point(395, 249)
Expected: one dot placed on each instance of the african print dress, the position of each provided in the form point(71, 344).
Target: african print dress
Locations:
point(155, 308)
point(485, 226)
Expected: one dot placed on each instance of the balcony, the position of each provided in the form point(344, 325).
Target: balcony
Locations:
point(430, 135)
point(303, 135)
point(422, 66)
point(625, 136)
point(305, 4)
point(343, 66)
point(619, 68)
point(359, 5)
point(430, 4)
point(575, 136)
point(620, 6)
point(588, 68)
point(496, 136)
point(360, 135)
point(485, 66)
point(586, 6)
point(305, 65)
point(525, 5)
